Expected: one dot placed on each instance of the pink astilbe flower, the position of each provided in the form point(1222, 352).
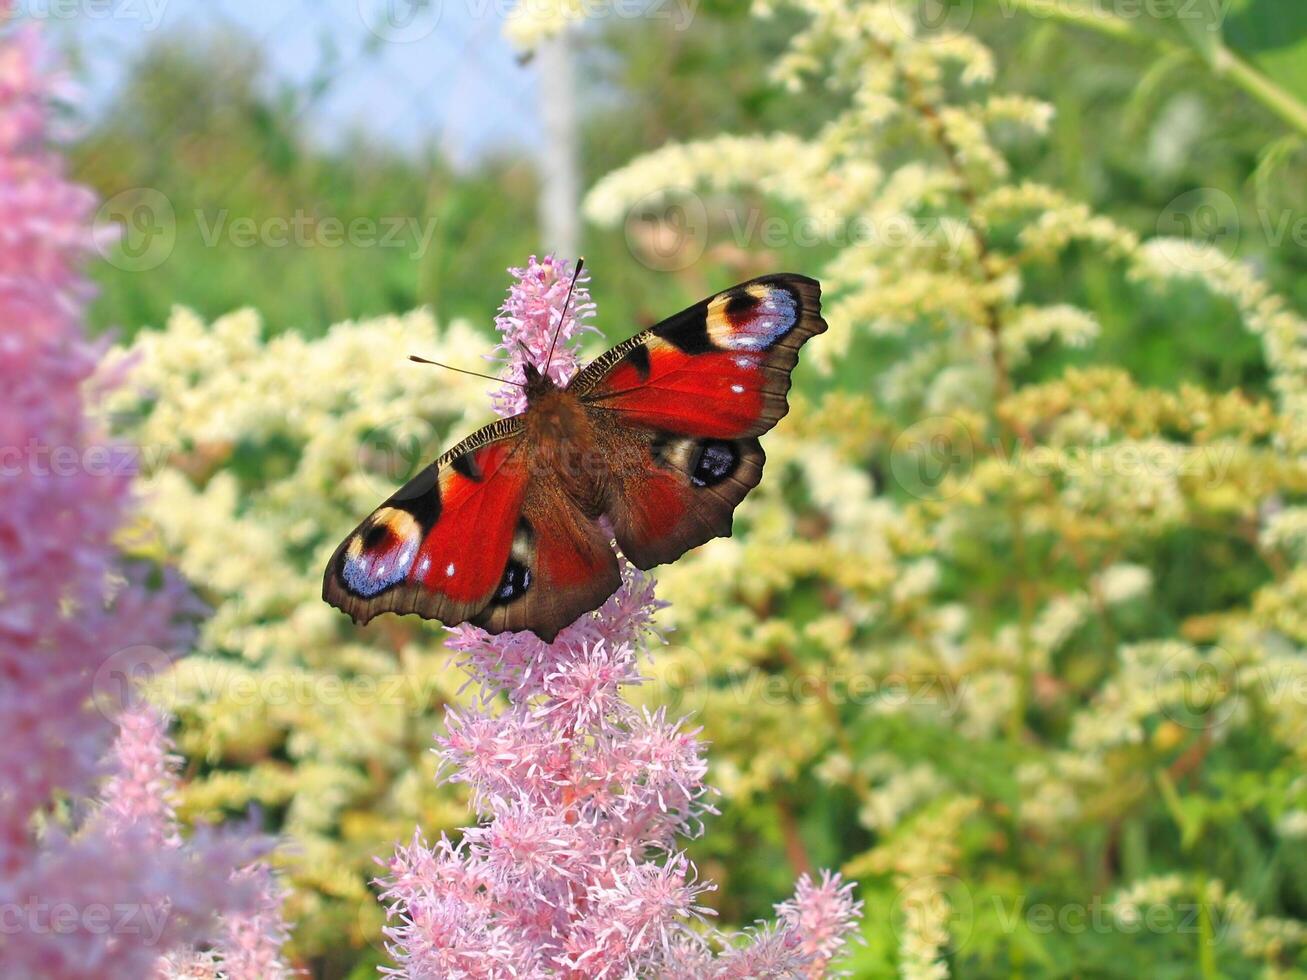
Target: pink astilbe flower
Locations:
point(89, 892)
point(139, 793)
point(137, 807)
point(574, 870)
point(250, 944)
point(528, 320)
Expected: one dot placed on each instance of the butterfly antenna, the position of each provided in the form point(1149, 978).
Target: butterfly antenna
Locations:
point(549, 358)
point(475, 374)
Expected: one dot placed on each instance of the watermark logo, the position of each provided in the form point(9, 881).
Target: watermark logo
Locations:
point(1207, 220)
point(393, 453)
point(1197, 692)
point(667, 230)
point(148, 13)
point(940, 906)
point(933, 20)
point(931, 458)
point(131, 677)
point(401, 21)
point(136, 229)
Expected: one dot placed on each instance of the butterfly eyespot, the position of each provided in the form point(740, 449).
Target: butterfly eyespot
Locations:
point(751, 319)
point(716, 460)
point(516, 580)
point(381, 555)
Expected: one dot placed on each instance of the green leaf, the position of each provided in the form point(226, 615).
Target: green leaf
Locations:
point(1272, 34)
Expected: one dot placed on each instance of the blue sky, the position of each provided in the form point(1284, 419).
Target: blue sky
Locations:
point(411, 71)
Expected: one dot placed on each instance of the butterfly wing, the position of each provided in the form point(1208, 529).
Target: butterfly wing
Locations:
point(686, 401)
point(477, 536)
point(485, 536)
point(440, 546)
point(562, 566)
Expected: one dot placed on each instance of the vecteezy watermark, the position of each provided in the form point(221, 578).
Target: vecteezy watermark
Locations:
point(304, 230)
point(40, 459)
point(689, 677)
point(138, 675)
point(1101, 916)
point(131, 677)
point(853, 687)
point(392, 454)
point(932, 459)
point(752, 228)
point(136, 230)
point(401, 21)
point(1207, 221)
point(678, 13)
point(1208, 14)
point(934, 902)
point(933, 20)
point(1194, 689)
point(407, 21)
point(668, 230)
point(944, 903)
point(38, 916)
point(148, 13)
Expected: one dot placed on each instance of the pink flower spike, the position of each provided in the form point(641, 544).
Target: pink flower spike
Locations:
point(574, 870)
point(531, 315)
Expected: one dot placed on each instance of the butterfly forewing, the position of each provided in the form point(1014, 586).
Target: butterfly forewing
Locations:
point(439, 547)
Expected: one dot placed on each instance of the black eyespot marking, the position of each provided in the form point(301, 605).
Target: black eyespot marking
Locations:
point(466, 466)
point(713, 462)
point(374, 537)
point(516, 580)
point(740, 305)
point(639, 358)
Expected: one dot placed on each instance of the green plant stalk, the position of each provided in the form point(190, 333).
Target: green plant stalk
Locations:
point(1279, 101)
point(1206, 936)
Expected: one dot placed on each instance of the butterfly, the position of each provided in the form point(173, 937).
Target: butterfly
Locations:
point(653, 444)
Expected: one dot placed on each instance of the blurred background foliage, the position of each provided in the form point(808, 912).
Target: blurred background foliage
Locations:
point(1161, 128)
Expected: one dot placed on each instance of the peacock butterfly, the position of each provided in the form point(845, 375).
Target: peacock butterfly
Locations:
point(653, 444)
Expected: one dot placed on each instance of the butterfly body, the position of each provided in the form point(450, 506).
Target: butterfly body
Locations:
point(654, 444)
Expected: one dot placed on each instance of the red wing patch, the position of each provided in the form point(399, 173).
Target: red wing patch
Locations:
point(685, 495)
point(464, 553)
point(562, 566)
point(718, 394)
point(718, 370)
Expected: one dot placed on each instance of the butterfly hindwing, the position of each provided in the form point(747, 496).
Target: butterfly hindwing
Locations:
point(562, 566)
point(682, 496)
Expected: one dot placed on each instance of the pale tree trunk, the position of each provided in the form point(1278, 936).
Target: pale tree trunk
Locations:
point(560, 223)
